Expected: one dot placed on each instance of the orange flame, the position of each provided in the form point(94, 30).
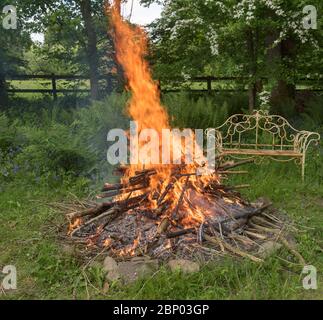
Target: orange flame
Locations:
point(107, 242)
point(74, 225)
point(145, 107)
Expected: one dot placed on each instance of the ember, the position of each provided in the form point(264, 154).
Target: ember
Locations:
point(166, 210)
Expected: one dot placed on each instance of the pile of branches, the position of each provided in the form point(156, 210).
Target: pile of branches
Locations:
point(129, 227)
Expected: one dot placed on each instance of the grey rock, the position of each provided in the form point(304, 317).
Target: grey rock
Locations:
point(113, 275)
point(186, 266)
point(68, 249)
point(109, 264)
point(130, 271)
point(269, 248)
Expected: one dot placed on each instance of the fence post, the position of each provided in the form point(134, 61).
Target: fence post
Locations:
point(54, 89)
point(3, 90)
point(209, 84)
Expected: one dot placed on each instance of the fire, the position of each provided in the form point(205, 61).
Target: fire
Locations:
point(130, 250)
point(145, 108)
point(107, 242)
point(158, 210)
point(74, 225)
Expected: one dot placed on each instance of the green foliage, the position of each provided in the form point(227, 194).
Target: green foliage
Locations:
point(313, 110)
point(94, 122)
point(201, 112)
point(92, 125)
point(7, 133)
point(55, 148)
point(186, 112)
point(54, 141)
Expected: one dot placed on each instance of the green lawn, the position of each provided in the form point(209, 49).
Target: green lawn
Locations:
point(29, 239)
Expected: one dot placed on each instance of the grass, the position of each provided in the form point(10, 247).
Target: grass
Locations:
point(48, 269)
point(29, 240)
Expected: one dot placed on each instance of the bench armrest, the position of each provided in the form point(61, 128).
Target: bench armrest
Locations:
point(217, 136)
point(303, 139)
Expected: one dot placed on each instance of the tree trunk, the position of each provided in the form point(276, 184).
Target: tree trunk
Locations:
point(252, 39)
point(284, 91)
point(92, 52)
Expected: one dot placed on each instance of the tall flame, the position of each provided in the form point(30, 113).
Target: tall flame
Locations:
point(131, 49)
point(145, 107)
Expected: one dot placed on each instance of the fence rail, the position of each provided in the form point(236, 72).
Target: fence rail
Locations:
point(54, 91)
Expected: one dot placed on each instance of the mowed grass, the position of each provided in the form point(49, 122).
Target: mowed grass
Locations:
point(29, 240)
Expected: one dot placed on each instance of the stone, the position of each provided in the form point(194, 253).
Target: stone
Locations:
point(145, 260)
point(109, 264)
point(269, 248)
point(185, 266)
point(106, 287)
point(113, 275)
point(129, 271)
point(68, 249)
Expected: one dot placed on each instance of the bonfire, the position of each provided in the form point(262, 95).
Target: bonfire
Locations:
point(167, 210)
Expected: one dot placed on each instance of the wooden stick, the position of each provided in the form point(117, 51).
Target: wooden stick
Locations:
point(164, 224)
point(91, 211)
point(227, 188)
point(163, 195)
point(180, 200)
point(116, 186)
point(231, 166)
point(179, 233)
point(104, 206)
point(255, 235)
point(141, 176)
point(246, 213)
point(264, 221)
point(233, 249)
point(113, 193)
point(232, 172)
point(282, 240)
point(93, 220)
point(180, 175)
point(292, 250)
point(145, 171)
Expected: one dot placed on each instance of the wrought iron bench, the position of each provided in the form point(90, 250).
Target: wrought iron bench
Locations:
point(261, 136)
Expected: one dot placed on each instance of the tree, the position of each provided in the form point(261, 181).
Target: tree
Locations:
point(74, 30)
point(92, 52)
point(13, 44)
point(257, 38)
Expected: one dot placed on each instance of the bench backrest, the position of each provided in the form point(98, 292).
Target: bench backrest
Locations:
point(257, 131)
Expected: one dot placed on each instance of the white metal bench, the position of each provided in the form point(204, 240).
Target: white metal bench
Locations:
point(260, 136)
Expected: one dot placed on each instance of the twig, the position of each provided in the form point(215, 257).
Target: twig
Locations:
point(232, 249)
point(180, 200)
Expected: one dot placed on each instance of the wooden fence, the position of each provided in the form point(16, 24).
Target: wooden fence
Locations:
point(53, 79)
point(207, 81)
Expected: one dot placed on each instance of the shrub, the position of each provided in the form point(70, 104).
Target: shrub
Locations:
point(187, 112)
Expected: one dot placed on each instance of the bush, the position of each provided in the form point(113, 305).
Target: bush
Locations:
point(201, 112)
point(60, 141)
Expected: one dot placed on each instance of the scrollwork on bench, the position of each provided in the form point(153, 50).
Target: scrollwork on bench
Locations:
point(262, 135)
